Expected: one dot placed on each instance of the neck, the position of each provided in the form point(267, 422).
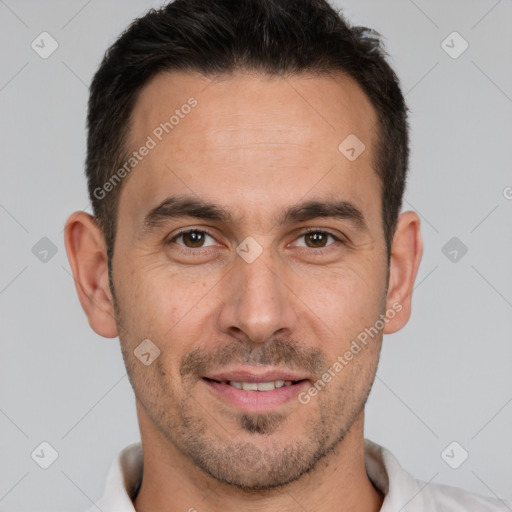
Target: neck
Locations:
point(171, 482)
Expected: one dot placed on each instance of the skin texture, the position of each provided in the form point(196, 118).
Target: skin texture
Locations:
point(255, 146)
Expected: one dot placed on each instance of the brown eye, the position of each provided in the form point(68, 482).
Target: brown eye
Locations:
point(316, 239)
point(192, 239)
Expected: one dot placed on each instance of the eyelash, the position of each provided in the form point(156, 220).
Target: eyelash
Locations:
point(199, 251)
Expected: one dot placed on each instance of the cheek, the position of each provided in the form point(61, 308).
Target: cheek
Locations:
point(345, 300)
point(158, 310)
point(166, 307)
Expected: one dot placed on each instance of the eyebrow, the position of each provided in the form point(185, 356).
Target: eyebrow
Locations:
point(175, 207)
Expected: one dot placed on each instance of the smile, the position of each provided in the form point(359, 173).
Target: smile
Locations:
point(258, 386)
point(262, 396)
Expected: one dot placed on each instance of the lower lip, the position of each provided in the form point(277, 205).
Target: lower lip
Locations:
point(255, 401)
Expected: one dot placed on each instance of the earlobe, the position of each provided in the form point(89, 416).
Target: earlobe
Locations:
point(85, 247)
point(406, 252)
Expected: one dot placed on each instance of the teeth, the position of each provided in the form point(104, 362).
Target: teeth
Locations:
point(260, 386)
point(266, 386)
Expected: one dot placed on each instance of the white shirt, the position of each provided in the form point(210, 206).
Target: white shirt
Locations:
point(402, 492)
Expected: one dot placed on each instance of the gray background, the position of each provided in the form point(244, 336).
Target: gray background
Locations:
point(445, 377)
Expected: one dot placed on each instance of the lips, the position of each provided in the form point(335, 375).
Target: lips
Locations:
point(256, 386)
point(256, 389)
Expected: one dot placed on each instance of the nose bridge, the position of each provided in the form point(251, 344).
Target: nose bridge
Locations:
point(257, 301)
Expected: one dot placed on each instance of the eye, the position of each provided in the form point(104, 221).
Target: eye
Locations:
point(192, 239)
point(317, 239)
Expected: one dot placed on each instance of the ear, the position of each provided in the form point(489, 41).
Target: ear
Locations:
point(406, 252)
point(86, 250)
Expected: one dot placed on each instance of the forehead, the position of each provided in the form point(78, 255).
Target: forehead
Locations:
point(248, 135)
point(226, 104)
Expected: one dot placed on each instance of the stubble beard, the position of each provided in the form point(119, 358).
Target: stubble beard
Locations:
point(256, 464)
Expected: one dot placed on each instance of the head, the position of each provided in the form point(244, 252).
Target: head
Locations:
point(246, 164)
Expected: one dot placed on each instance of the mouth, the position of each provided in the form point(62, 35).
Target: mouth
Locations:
point(252, 393)
point(257, 386)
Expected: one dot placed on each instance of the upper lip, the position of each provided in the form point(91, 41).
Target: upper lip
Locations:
point(255, 375)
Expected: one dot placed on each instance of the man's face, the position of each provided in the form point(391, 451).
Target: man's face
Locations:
point(284, 306)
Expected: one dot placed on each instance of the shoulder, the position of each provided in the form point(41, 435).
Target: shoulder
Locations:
point(404, 492)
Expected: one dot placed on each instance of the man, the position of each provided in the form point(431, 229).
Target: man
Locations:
point(246, 165)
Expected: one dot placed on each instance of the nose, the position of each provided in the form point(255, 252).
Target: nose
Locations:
point(257, 300)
